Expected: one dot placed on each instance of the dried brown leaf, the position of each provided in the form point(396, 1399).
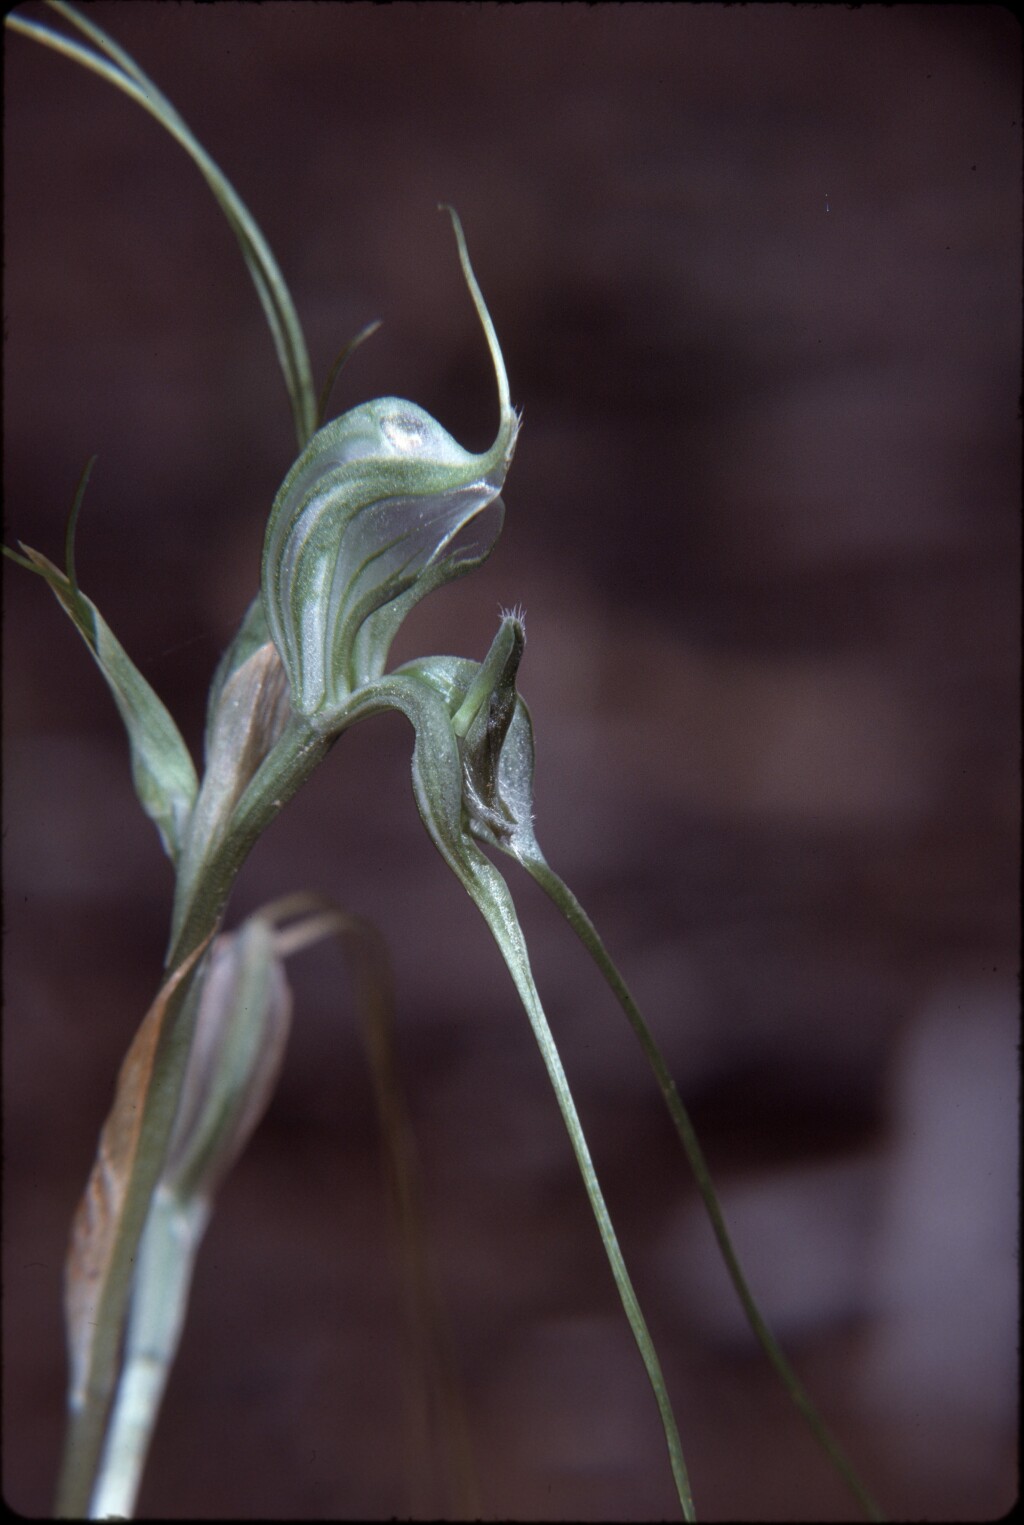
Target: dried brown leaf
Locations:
point(100, 1216)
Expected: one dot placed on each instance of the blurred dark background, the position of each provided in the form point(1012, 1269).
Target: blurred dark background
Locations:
point(756, 272)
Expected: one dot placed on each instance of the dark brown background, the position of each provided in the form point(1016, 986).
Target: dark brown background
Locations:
point(756, 273)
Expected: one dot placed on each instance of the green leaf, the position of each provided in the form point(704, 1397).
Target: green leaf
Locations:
point(162, 769)
point(275, 298)
point(341, 360)
point(369, 520)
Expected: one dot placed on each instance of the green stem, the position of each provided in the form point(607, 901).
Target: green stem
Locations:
point(438, 787)
point(204, 886)
point(167, 1255)
point(88, 1409)
point(291, 761)
point(584, 928)
point(490, 893)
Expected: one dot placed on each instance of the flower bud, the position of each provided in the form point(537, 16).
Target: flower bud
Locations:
point(481, 724)
point(241, 1030)
point(364, 525)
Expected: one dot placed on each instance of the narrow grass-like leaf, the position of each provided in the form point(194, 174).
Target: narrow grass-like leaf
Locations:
point(342, 359)
point(279, 310)
point(439, 1431)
